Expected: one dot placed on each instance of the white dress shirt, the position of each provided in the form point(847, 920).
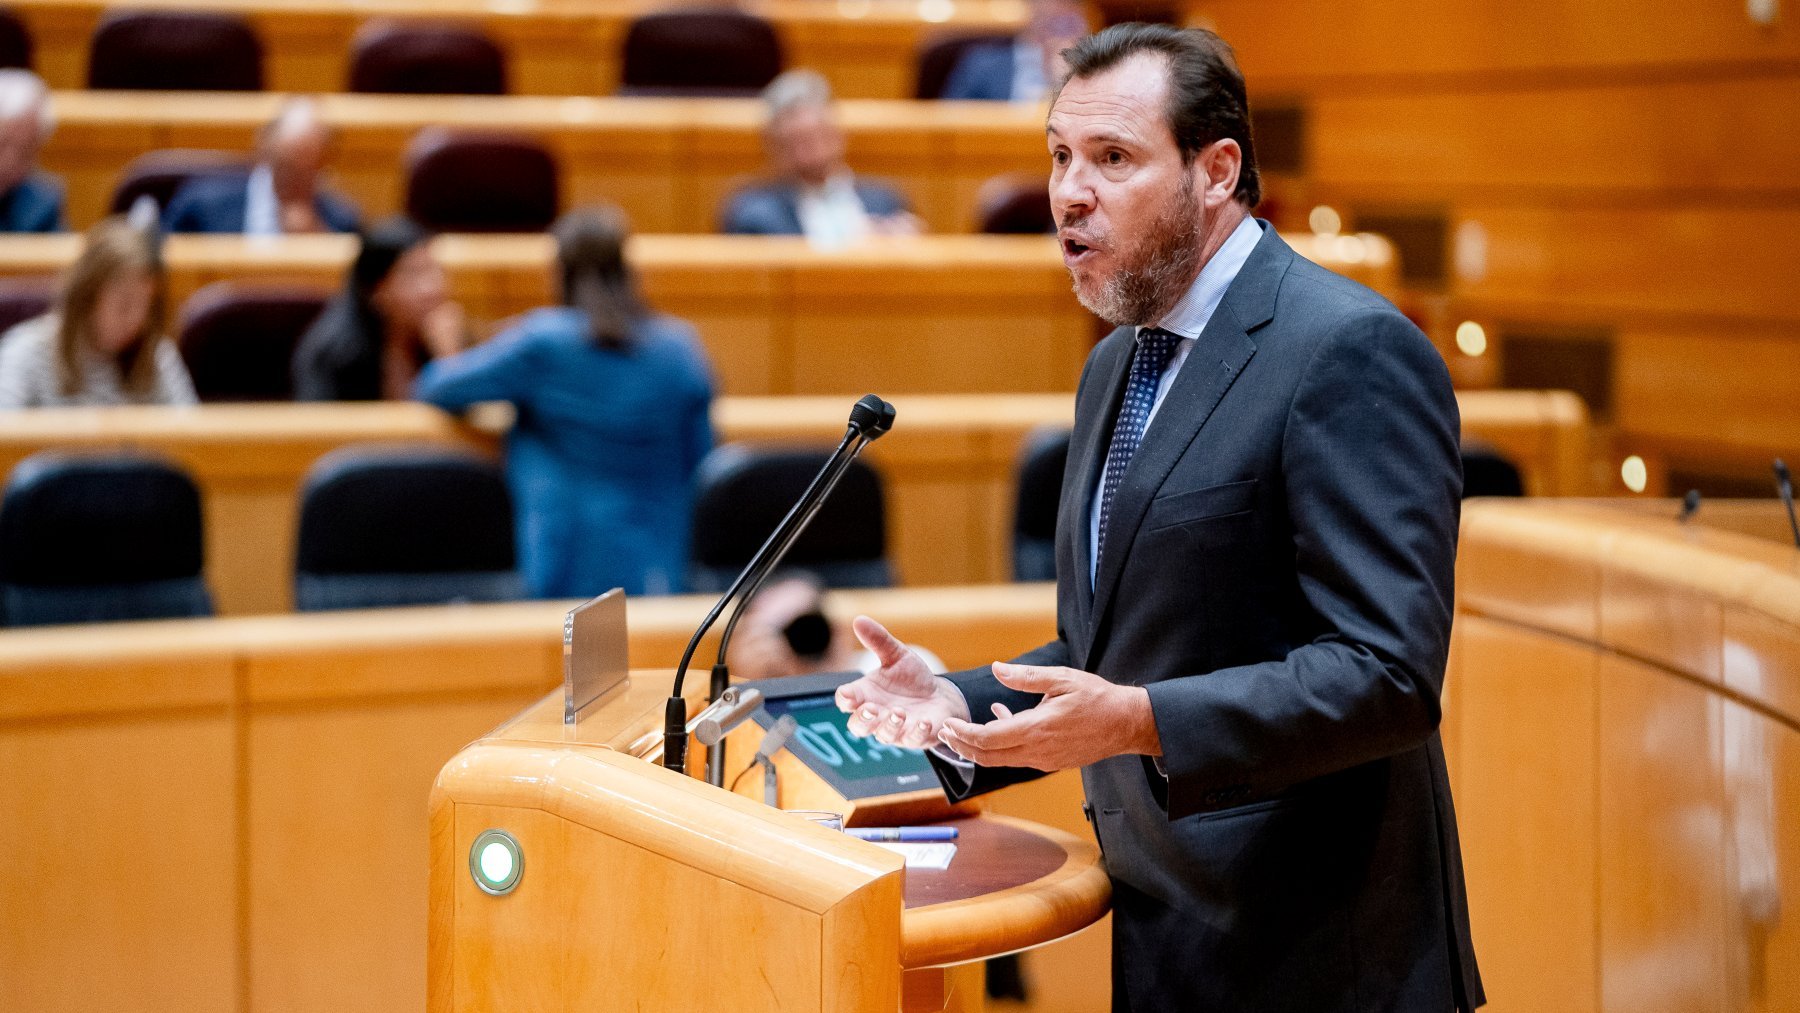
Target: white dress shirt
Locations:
point(1188, 318)
point(262, 210)
point(1028, 84)
point(832, 216)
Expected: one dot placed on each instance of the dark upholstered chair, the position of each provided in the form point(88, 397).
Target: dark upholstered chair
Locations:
point(399, 58)
point(15, 41)
point(699, 52)
point(175, 51)
point(24, 298)
point(480, 182)
point(938, 57)
point(158, 174)
point(92, 538)
point(1039, 492)
point(1488, 472)
point(404, 526)
point(743, 492)
point(238, 339)
point(1014, 206)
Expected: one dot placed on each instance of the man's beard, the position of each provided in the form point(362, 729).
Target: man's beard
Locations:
point(1144, 292)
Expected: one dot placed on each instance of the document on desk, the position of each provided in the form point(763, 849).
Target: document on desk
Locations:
point(933, 855)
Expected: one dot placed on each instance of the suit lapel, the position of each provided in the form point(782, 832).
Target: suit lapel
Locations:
point(1223, 350)
point(1087, 453)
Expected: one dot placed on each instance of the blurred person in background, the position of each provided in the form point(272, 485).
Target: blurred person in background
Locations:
point(102, 343)
point(814, 193)
point(1025, 68)
point(613, 409)
point(31, 200)
point(392, 315)
point(281, 195)
point(786, 630)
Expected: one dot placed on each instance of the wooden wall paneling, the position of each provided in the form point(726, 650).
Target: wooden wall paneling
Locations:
point(1709, 387)
point(1663, 924)
point(1670, 141)
point(1629, 265)
point(1316, 44)
point(1527, 707)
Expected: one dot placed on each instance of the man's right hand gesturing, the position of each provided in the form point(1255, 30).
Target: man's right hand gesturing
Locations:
point(901, 703)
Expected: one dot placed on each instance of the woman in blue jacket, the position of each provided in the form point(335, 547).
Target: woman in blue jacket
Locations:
point(613, 407)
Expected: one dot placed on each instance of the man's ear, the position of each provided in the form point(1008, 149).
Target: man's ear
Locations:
point(1216, 169)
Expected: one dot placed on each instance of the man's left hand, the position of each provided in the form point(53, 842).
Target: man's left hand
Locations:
point(1081, 719)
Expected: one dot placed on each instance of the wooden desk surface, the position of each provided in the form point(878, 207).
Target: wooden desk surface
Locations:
point(867, 49)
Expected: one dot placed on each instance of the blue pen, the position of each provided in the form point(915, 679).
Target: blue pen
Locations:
point(903, 835)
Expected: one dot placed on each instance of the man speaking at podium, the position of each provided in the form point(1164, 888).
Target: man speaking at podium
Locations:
point(1255, 549)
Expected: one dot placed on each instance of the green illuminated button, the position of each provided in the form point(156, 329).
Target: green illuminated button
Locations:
point(496, 862)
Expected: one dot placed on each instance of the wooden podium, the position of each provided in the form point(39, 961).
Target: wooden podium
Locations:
point(640, 888)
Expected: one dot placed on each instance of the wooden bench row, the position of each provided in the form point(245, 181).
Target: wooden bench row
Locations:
point(670, 163)
point(553, 47)
point(949, 465)
point(938, 314)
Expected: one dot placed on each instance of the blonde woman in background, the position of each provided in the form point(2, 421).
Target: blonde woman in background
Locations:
point(102, 343)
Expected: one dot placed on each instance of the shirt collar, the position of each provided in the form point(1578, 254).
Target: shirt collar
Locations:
point(1195, 308)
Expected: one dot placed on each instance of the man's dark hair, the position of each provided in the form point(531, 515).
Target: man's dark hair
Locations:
point(1207, 101)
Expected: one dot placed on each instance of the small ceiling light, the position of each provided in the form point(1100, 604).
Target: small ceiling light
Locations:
point(1635, 473)
point(1470, 338)
point(1325, 221)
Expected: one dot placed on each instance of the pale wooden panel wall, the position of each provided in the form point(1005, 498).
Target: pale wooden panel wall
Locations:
point(1619, 169)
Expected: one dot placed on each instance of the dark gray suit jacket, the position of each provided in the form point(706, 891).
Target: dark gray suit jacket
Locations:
point(774, 209)
point(1285, 541)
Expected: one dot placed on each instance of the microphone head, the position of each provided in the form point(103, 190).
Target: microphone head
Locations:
point(871, 416)
point(777, 737)
point(1781, 472)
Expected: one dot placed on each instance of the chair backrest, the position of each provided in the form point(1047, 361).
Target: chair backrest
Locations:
point(699, 52)
point(1039, 492)
point(15, 41)
point(176, 51)
point(744, 491)
point(1488, 472)
point(24, 298)
point(238, 339)
point(939, 56)
point(158, 174)
point(426, 59)
point(97, 537)
point(481, 182)
point(1014, 205)
point(404, 526)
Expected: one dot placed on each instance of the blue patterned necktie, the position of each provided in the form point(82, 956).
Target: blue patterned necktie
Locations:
point(1154, 348)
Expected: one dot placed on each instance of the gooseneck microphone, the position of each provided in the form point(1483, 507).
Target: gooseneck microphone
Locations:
point(869, 419)
point(1784, 485)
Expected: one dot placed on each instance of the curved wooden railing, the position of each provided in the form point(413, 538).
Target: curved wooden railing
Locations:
point(1623, 723)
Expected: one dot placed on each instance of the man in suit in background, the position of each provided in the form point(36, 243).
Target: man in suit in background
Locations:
point(31, 200)
point(1255, 550)
point(815, 194)
point(1021, 69)
point(281, 195)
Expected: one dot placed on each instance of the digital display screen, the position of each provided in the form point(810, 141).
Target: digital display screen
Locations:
point(825, 742)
